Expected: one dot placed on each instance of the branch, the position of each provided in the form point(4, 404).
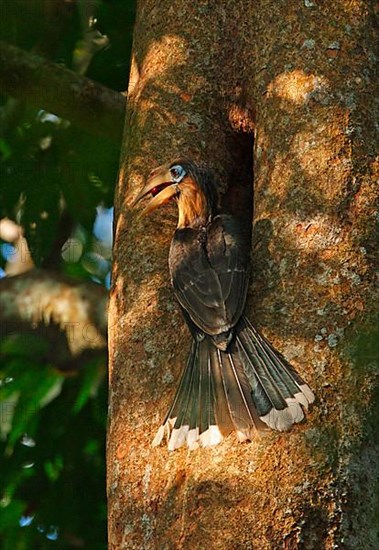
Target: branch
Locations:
point(71, 315)
point(54, 88)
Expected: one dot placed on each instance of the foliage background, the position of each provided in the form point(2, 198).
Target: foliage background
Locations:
point(53, 178)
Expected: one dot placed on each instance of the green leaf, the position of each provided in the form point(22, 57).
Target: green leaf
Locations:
point(54, 467)
point(10, 513)
point(5, 150)
point(7, 409)
point(40, 393)
point(92, 377)
point(24, 344)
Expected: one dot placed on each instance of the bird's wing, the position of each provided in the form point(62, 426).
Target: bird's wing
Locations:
point(209, 271)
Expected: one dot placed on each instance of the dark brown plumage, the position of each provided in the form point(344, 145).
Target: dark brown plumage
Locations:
point(234, 379)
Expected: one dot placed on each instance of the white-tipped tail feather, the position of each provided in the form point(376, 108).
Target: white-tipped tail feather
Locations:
point(244, 389)
point(212, 436)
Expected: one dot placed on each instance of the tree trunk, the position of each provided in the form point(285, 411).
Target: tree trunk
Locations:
point(207, 79)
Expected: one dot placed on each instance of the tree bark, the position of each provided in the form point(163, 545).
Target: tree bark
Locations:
point(300, 77)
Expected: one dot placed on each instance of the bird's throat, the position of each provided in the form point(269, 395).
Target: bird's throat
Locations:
point(192, 206)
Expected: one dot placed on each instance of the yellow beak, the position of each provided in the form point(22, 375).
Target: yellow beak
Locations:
point(160, 186)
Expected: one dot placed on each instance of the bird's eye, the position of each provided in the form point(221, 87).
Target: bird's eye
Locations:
point(177, 173)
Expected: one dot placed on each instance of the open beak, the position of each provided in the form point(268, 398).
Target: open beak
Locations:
point(161, 188)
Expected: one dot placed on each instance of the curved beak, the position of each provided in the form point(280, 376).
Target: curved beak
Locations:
point(160, 186)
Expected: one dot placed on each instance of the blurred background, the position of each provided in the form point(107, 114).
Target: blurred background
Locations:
point(63, 66)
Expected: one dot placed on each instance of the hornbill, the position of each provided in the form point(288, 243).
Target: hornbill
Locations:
point(234, 379)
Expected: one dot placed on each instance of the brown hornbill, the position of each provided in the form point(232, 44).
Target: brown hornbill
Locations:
point(234, 379)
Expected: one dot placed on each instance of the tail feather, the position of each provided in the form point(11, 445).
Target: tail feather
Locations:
point(204, 391)
point(221, 407)
point(242, 389)
point(187, 416)
point(179, 404)
point(289, 375)
point(181, 395)
point(191, 416)
point(284, 388)
point(209, 430)
point(266, 395)
point(283, 373)
point(269, 369)
point(238, 391)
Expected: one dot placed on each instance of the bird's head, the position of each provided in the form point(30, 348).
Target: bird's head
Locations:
point(190, 184)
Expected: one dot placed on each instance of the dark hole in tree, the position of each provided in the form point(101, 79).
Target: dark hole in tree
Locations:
point(238, 199)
